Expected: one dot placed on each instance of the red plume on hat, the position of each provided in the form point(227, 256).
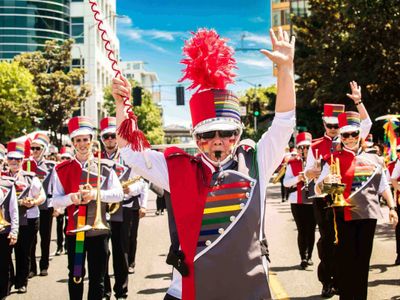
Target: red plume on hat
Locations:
point(209, 63)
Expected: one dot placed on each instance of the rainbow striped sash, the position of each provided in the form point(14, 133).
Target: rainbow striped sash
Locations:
point(80, 242)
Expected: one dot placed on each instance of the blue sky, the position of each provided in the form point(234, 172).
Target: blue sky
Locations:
point(154, 31)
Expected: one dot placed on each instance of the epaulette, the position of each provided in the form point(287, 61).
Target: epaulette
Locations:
point(247, 145)
point(7, 180)
point(64, 164)
point(175, 151)
point(107, 162)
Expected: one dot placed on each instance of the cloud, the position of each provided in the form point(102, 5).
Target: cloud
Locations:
point(124, 21)
point(250, 39)
point(257, 63)
point(257, 20)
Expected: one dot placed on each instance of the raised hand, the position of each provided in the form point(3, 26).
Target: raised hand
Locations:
point(282, 49)
point(355, 92)
point(121, 88)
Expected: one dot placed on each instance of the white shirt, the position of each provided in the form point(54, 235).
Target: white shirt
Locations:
point(290, 180)
point(35, 191)
point(139, 188)
point(113, 194)
point(270, 152)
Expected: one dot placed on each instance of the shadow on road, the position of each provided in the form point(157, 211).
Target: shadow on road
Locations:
point(153, 291)
point(156, 276)
point(384, 232)
point(285, 268)
point(381, 268)
point(395, 282)
point(314, 297)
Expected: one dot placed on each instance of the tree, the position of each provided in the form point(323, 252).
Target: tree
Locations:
point(266, 98)
point(18, 100)
point(59, 87)
point(340, 41)
point(148, 114)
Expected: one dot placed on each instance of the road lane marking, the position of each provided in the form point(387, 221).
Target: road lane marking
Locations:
point(278, 291)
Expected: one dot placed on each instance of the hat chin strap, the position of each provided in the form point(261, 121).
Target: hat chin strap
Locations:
point(220, 163)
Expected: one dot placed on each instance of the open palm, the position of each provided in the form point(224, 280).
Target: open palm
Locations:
point(282, 48)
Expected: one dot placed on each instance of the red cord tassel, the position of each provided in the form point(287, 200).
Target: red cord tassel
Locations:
point(128, 129)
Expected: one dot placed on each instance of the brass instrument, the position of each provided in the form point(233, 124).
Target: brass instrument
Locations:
point(26, 200)
point(280, 174)
point(113, 207)
point(98, 222)
point(3, 222)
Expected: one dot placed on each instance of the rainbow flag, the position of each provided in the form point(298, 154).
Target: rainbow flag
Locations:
point(390, 138)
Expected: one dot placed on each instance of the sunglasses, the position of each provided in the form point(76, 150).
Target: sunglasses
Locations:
point(303, 147)
point(221, 133)
point(36, 148)
point(353, 134)
point(14, 158)
point(332, 126)
point(109, 136)
point(65, 158)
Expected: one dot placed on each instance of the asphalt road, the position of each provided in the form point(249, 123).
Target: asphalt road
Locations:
point(287, 281)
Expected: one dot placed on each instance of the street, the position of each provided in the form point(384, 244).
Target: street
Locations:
point(287, 281)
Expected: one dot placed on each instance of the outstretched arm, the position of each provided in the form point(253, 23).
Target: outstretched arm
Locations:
point(356, 97)
point(121, 89)
point(282, 55)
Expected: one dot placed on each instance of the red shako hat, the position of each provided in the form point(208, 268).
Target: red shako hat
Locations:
point(108, 125)
point(303, 139)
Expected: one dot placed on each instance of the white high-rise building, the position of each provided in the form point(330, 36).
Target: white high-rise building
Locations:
point(89, 50)
point(135, 70)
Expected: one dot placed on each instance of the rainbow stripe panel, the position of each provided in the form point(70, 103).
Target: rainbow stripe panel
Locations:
point(226, 104)
point(80, 242)
point(85, 123)
point(362, 173)
point(223, 204)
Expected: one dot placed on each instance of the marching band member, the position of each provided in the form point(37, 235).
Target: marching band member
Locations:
point(320, 148)
point(364, 179)
point(30, 194)
point(301, 206)
point(9, 233)
point(42, 168)
point(70, 190)
point(218, 196)
point(125, 220)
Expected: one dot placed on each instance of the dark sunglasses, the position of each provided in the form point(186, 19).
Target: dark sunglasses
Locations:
point(332, 126)
point(36, 148)
point(14, 158)
point(353, 134)
point(303, 147)
point(221, 133)
point(108, 136)
point(65, 158)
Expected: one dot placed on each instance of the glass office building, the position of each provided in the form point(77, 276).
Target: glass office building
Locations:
point(26, 25)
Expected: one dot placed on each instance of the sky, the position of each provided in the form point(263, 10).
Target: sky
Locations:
point(154, 31)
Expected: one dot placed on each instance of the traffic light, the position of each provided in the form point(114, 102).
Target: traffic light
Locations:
point(137, 96)
point(180, 95)
point(256, 108)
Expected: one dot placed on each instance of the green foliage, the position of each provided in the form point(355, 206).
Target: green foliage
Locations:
point(341, 41)
point(148, 114)
point(266, 96)
point(18, 100)
point(59, 87)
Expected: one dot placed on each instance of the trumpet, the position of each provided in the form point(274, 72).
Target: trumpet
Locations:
point(98, 222)
point(113, 207)
point(3, 222)
point(280, 174)
point(336, 189)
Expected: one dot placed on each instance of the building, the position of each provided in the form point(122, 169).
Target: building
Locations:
point(89, 51)
point(281, 12)
point(26, 25)
point(135, 70)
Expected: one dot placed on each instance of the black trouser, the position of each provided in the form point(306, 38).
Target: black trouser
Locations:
point(284, 190)
point(45, 225)
point(133, 229)
point(23, 251)
point(303, 215)
point(96, 251)
point(353, 256)
point(160, 203)
point(325, 244)
point(398, 230)
point(120, 236)
point(60, 232)
point(5, 264)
